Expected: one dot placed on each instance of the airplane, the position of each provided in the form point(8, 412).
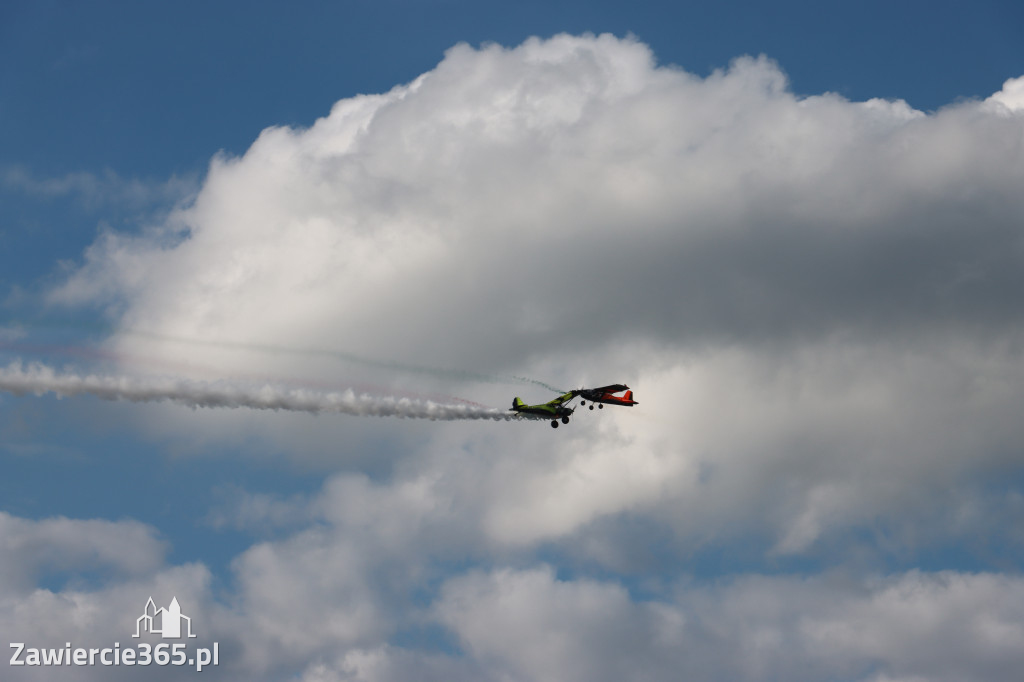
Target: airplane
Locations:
point(604, 395)
point(553, 409)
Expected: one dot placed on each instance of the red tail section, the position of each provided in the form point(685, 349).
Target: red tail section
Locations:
point(628, 397)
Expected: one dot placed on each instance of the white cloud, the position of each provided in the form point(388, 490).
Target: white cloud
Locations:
point(1011, 96)
point(97, 190)
point(817, 302)
point(309, 593)
point(385, 663)
point(566, 191)
point(528, 625)
point(32, 548)
point(127, 561)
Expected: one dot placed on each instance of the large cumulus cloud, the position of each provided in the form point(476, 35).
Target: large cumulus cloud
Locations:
point(817, 300)
point(569, 190)
point(570, 209)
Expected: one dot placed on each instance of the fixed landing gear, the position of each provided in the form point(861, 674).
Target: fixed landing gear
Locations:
point(591, 407)
point(554, 422)
point(600, 407)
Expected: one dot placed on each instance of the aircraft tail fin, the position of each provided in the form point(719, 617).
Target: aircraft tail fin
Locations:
point(629, 395)
point(517, 403)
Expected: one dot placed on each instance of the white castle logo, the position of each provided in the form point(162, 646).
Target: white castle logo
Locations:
point(163, 622)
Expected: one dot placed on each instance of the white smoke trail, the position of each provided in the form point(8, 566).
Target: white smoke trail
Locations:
point(40, 379)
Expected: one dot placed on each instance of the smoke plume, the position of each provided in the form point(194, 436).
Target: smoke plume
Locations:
point(40, 379)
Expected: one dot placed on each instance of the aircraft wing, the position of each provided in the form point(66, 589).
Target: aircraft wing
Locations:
point(565, 397)
point(613, 388)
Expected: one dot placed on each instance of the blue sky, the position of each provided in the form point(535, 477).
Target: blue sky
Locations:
point(150, 91)
point(793, 229)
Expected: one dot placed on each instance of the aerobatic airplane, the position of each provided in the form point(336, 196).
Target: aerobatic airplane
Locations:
point(558, 408)
point(605, 395)
point(553, 409)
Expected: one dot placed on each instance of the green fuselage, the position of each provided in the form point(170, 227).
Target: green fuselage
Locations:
point(549, 410)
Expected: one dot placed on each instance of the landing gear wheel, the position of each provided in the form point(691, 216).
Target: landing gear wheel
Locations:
point(554, 424)
point(565, 420)
point(600, 407)
point(591, 407)
point(583, 402)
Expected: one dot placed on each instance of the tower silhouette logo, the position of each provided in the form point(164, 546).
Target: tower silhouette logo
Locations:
point(164, 622)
